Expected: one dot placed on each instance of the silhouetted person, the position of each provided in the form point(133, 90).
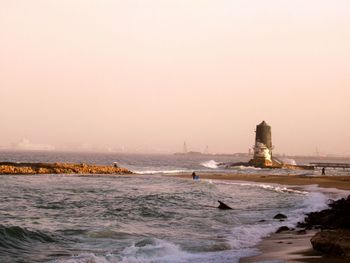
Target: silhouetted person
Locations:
point(323, 171)
point(193, 175)
point(223, 206)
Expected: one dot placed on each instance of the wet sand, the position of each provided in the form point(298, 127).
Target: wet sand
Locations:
point(290, 247)
point(339, 182)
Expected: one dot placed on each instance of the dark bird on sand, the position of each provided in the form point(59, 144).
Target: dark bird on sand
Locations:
point(223, 206)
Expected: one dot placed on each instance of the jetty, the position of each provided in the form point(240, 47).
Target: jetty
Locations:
point(12, 168)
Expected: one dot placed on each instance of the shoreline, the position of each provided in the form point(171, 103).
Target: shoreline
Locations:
point(328, 181)
point(288, 246)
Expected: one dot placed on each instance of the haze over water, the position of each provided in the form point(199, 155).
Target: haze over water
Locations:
point(145, 76)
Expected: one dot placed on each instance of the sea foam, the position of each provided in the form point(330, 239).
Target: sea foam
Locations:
point(150, 172)
point(210, 164)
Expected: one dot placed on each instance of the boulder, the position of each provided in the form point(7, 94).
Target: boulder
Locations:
point(332, 242)
point(280, 216)
point(337, 216)
point(283, 229)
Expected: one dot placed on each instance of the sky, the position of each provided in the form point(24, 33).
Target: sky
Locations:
point(147, 75)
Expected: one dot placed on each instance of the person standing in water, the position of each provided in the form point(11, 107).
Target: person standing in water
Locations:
point(194, 176)
point(323, 171)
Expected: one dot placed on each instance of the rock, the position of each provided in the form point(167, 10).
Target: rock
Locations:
point(332, 242)
point(59, 168)
point(334, 239)
point(337, 216)
point(282, 229)
point(280, 216)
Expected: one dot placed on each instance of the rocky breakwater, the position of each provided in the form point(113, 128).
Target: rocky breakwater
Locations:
point(334, 223)
point(59, 168)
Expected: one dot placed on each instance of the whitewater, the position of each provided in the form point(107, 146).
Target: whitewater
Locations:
point(141, 218)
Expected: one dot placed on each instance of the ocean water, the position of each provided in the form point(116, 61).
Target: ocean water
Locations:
point(144, 218)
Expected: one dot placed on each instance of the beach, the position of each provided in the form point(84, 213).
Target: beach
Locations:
point(338, 182)
point(289, 246)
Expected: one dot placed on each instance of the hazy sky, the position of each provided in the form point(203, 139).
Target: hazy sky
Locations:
point(149, 75)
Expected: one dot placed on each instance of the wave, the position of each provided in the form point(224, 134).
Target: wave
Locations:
point(153, 250)
point(247, 236)
point(246, 169)
point(14, 236)
point(288, 161)
point(84, 258)
point(276, 188)
point(18, 244)
point(280, 189)
point(210, 164)
point(162, 171)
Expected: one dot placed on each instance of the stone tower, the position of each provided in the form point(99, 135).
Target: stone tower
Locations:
point(263, 146)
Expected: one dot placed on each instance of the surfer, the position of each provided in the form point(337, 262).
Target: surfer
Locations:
point(223, 206)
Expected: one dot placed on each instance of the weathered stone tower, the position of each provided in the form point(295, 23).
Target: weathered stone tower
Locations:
point(263, 146)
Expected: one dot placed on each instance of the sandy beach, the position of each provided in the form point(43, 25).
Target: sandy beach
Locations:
point(287, 246)
point(339, 182)
point(290, 247)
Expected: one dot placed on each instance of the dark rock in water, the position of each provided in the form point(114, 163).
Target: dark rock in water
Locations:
point(262, 220)
point(223, 206)
point(280, 216)
point(282, 229)
point(332, 242)
point(334, 239)
point(338, 216)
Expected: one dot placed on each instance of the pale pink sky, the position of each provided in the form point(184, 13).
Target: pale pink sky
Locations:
point(148, 75)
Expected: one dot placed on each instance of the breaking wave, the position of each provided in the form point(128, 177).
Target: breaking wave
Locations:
point(162, 171)
point(276, 188)
point(210, 164)
point(288, 161)
point(153, 250)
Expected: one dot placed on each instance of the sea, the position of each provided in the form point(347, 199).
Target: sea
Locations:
point(151, 217)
